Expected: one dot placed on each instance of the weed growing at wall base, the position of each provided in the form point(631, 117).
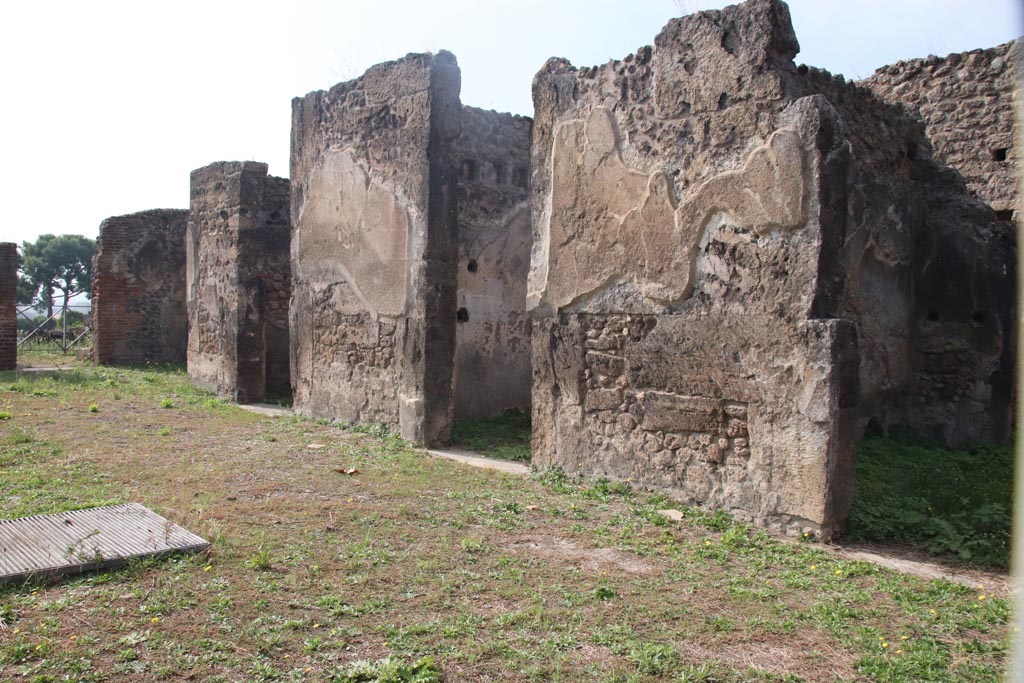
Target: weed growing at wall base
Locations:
point(951, 502)
point(506, 436)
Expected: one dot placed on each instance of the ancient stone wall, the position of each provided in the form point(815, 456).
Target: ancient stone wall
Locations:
point(239, 280)
point(930, 280)
point(724, 269)
point(492, 358)
point(962, 309)
point(138, 289)
point(966, 103)
point(374, 247)
point(8, 309)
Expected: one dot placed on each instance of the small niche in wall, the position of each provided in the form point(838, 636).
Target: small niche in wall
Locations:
point(1005, 215)
point(468, 169)
point(471, 266)
point(999, 154)
point(519, 177)
point(462, 315)
point(500, 174)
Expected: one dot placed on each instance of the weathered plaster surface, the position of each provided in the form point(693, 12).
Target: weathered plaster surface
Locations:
point(374, 247)
point(492, 355)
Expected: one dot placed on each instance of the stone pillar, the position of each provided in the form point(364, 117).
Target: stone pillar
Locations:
point(239, 280)
point(8, 310)
point(374, 247)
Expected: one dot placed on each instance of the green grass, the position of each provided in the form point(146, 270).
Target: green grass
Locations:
point(420, 569)
point(506, 436)
point(952, 502)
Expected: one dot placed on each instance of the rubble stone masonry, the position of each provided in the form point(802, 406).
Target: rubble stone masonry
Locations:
point(729, 254)
point(239, 280)
point(966, 103)
point(138, 289)
point(8, 309)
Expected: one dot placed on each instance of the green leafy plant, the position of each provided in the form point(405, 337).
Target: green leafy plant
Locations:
point(951, 502)
point(260, 560)
point(506, 437)
point(387, 670)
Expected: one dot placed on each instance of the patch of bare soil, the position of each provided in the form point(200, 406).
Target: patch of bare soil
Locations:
point(592, 560)
point(922, 565)
point(806, 653)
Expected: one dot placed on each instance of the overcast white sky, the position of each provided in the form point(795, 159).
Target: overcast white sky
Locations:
point(108, 105)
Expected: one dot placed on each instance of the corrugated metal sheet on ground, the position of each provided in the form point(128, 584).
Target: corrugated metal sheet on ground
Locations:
point(84, 540)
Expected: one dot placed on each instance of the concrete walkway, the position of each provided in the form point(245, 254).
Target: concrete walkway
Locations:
point(267, 409)
point(477, 460)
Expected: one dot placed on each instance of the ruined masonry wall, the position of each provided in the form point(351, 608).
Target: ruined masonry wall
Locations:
point(966, 103)
point(961, 322)
point(138, 291)
point(239, 280)
point(374, 247)
point(492, 358)
point(931, 271)
point(681, 203)
point(730, 269)
point(8, 309)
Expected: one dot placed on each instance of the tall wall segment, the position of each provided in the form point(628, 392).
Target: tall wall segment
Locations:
point(138, 289)
point(239, 280)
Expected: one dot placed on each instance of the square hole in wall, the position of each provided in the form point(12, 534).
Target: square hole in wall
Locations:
point(999, 154)
point(519, 177)
point(500, 174)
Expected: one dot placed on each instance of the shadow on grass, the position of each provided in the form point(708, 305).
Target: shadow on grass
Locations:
point(506, 436)
point(956, 503)
point(278, 398)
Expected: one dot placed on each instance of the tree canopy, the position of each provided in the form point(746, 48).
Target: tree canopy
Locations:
point(55, 264)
